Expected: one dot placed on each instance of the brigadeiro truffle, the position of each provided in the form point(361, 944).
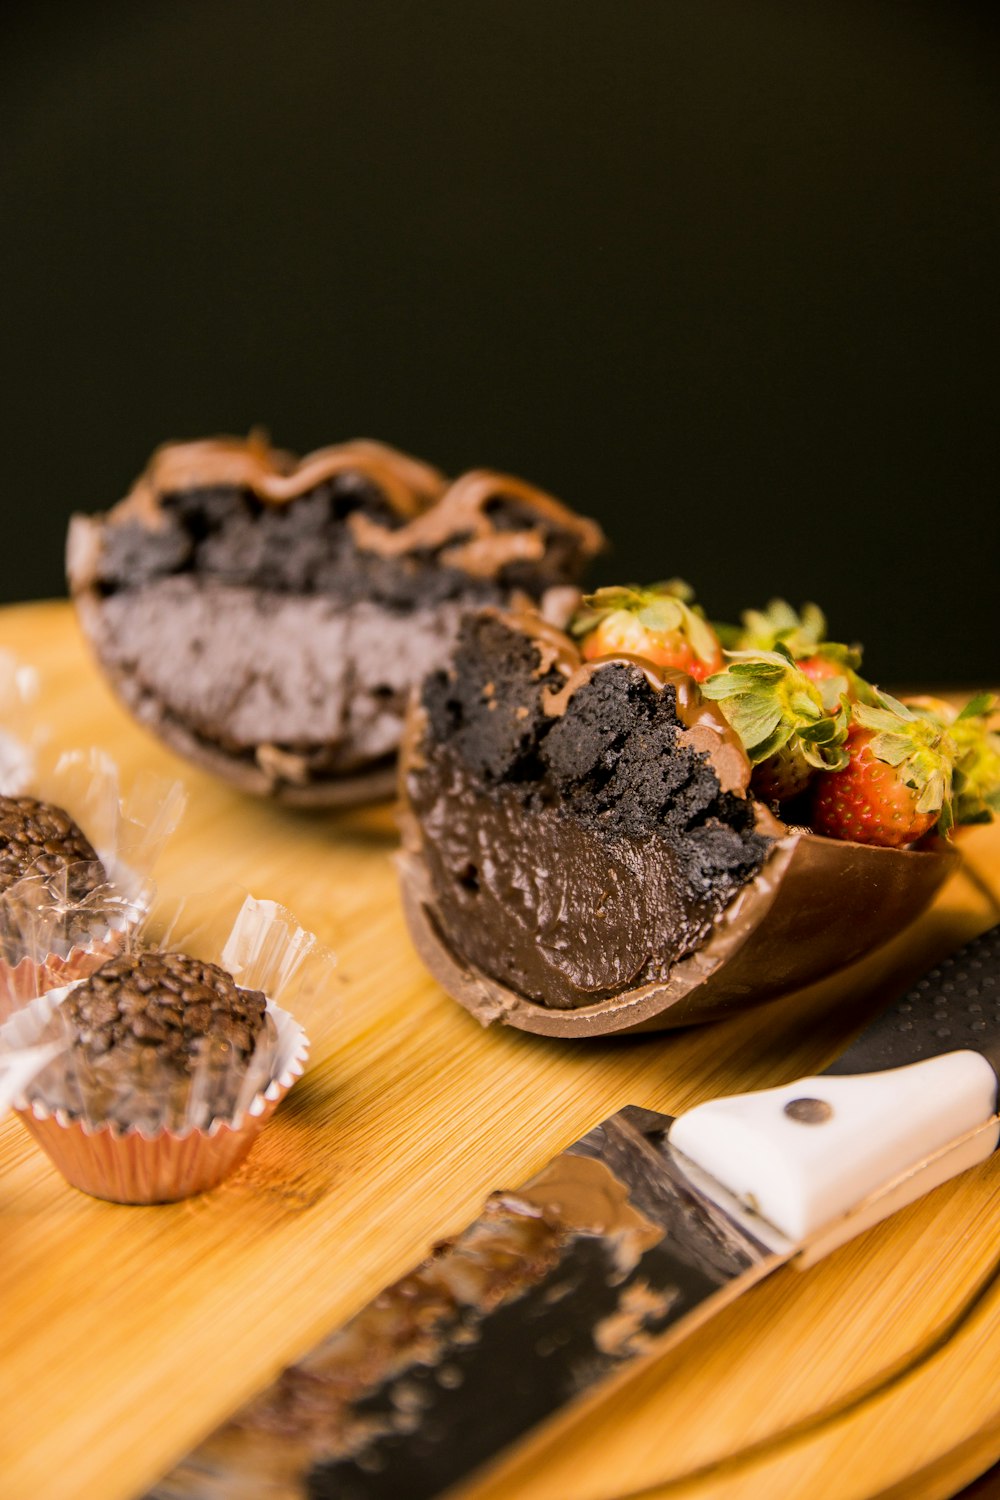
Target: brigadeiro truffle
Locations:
point(582, 853)
point(73, 885)
point(167, 1070)
point(53, 916)
point(161, 1040)
point(267, 616)
point(37, 838)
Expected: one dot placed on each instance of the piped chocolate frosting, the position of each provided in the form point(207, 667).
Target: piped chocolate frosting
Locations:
point(359, 517)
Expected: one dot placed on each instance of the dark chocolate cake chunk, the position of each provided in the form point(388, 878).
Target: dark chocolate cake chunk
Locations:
point(155, 1039)
point(582, 855)
point(37, 838)
point(268, 617)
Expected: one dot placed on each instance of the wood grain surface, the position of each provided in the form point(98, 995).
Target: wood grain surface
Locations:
point(128, 1333)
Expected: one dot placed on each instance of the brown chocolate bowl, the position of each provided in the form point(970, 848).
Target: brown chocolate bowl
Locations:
point(784, 932)
point(267, 616)
point(522, 910)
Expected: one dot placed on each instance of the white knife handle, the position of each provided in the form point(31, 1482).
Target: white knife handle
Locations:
point(807, 1153)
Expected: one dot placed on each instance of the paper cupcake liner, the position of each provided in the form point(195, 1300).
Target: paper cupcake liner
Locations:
point(22, 982)
point(17, 1069)
point(133, 1167)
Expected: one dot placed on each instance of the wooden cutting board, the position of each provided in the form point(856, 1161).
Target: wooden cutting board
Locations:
point(128, 1333)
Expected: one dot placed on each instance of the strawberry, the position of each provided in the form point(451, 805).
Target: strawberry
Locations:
point(780, 624)
point(803, 635)
point(782, 776)
point(820, 668)
point(790, 726)
point(897, 784)
point(657, 623)
point(977, 753)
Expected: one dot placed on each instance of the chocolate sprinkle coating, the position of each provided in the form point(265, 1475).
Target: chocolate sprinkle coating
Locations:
point(37, 838)
point(169, 1003)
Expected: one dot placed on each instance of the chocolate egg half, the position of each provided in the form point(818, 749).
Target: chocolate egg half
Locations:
point(582, 855)
point(267, 617)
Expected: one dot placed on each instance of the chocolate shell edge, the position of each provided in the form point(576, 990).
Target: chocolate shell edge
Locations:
point(816, 907)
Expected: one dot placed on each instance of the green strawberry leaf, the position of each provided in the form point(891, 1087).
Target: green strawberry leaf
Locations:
point(977, 766)
point(802, 633)
point(976, 707)
point(771, 704)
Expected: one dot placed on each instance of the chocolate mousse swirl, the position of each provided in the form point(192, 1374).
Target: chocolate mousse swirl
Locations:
point(463, 527)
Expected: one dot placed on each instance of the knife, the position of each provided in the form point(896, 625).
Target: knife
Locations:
point(623, 1244)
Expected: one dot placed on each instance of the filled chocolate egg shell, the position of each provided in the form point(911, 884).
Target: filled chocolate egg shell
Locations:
point(267, 616)
point(581, 854)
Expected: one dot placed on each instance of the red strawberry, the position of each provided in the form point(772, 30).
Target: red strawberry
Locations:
point(820, 668)
point(656, 623)
point(780, 624)
point(896, 785)
point(975, 732)
point(803, 635)
point(783, 775)
point(789, 727)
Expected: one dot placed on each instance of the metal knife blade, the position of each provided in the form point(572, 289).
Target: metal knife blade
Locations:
point(621, 1245)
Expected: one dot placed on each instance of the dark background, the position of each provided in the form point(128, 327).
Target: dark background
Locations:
point(721, 273)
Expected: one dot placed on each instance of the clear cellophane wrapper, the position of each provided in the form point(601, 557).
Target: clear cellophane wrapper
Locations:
point(21, 736)
point(145, 1135)
point(50, 933)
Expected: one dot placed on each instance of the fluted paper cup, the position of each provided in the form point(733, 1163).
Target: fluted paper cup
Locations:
point(52, 962)
point(264, 949)
point(132, 1166)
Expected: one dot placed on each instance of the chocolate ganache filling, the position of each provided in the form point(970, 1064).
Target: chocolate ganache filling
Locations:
point(582, 825)
point(269, 616)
